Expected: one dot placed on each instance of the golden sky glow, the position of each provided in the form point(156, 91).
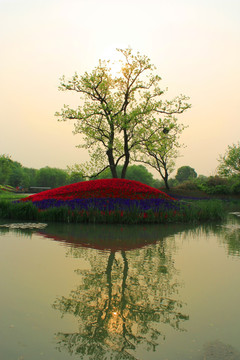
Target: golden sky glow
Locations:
point(195, 46)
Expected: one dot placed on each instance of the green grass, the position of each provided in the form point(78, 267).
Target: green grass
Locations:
point(196, 211)
point(8, 195)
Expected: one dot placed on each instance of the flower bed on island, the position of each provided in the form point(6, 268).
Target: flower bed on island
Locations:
point(105, 194)
point(108, 201)
point(104, 188)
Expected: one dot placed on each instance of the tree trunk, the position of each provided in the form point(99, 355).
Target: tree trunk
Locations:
point(114, 171)
point(127, 156)
point(166, 183)
point(124, 169)
point(166, 178)
point(113, 166)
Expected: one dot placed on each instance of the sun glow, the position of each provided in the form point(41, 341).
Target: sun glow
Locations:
point(114, 57)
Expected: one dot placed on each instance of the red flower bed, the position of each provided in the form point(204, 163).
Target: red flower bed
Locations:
point(105, 188)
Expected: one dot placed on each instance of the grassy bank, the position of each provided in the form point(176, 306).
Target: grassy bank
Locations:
point(195, 211)
point(8, 195)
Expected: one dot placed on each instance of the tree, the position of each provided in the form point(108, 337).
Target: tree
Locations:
point(230, 162)
point(6, 165)
point(51, 177)
point(159, 146)
point(75, 177)
point(16, 177)
point(117, 110)
point(22, 176)
point(29, 177)
point(185, 173)
point(140, 173)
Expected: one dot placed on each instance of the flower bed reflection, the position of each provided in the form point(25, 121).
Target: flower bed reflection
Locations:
point(110, 236)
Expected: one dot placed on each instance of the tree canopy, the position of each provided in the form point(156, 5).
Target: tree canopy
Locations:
point(230, 162)
point(185, 173)
point(160, 147)
point(118, 111)
point(51, 177)
point(6, 165)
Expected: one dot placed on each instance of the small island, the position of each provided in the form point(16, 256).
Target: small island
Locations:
point(109, 201)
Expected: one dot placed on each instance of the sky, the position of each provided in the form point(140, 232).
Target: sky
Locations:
point(195, 46)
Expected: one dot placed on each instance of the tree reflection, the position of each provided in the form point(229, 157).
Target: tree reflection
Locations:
point(230, 233)
point(122, 302)
point(227, 233)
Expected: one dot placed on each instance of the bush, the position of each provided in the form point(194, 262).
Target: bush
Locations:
point(20, 211)
point(235, 188)
point(172, 183)
point(216, 180)
point(216, 185)
point(215, 190)
point(187, 185)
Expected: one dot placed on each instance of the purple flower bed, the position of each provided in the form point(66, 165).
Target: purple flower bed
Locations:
point(109, 204)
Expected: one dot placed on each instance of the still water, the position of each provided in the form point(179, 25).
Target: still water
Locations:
point(164, 292)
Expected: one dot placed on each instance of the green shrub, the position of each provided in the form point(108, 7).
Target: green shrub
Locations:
point(216, 180)
point(187, 185)
point(235, 188)
point(216, 185)
point(215, 190)
point(20, 211)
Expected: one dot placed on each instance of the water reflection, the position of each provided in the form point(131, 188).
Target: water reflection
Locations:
point(130, 293)
point(227, 233)
point(126, 297)
point(117, 237)
point(230, 235)
point(111, 237)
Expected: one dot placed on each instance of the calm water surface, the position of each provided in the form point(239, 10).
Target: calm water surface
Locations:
point(168, 292)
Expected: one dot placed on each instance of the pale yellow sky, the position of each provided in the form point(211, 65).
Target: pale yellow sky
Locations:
point(195, 46)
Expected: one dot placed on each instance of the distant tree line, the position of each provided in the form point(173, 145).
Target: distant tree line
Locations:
point(15, 174)
point(227, 180)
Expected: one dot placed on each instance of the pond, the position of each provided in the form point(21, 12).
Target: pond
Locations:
point(168, 292)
